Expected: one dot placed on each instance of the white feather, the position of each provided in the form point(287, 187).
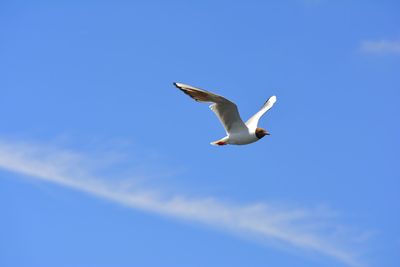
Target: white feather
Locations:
point(252, 123)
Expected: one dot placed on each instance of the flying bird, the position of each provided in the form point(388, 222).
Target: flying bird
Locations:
point(237, 132)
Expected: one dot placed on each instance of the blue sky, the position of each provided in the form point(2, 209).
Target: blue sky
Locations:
point(104, 163)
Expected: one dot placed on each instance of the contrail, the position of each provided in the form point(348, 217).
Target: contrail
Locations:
point(260, 220)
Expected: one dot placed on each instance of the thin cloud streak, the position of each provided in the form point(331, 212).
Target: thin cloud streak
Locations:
point(380, 47)
point(259, 220)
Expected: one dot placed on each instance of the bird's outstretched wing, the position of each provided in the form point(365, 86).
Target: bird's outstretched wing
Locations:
point(252, 123)
point(226, 111)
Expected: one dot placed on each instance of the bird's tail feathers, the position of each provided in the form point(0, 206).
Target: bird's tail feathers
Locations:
point(220, 142)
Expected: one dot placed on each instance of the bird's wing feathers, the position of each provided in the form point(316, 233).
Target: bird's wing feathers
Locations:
point(198, 94)
point(252, 123)
point(226, 111)
point(229, 116)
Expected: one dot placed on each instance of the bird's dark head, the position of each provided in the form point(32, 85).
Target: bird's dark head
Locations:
point(260, 133)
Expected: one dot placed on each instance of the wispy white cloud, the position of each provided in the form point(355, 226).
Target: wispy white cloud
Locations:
point(296, 227)
point(380, 47)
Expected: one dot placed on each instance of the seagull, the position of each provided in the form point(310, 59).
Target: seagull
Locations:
point(237, 132)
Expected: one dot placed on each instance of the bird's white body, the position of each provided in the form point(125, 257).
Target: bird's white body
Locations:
point(238, 132)
point(241, 138)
